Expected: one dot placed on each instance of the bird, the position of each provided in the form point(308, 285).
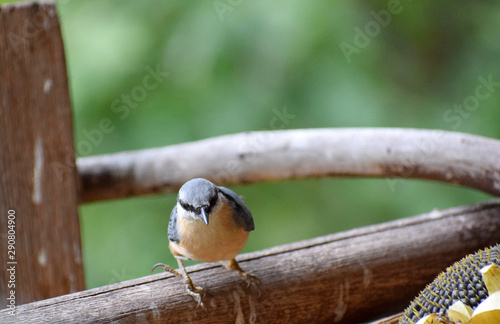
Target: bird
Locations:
point(209, 223)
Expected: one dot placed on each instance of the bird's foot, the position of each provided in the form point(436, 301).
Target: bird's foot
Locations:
point(197, 293)
point(251, 280)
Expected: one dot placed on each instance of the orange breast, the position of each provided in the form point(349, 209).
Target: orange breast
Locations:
point(220, 240)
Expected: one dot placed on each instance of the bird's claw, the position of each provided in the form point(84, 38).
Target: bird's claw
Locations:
point(249, 279)
point(197, 293)
point(252, 281)
point(159, 265)
point(166, 268)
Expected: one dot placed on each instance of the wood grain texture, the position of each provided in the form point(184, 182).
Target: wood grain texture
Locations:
point(449, 157)
point(36, 138)
point(347, 277)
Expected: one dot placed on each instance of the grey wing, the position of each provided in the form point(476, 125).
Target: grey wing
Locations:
point(173, 233)
point(243, 215)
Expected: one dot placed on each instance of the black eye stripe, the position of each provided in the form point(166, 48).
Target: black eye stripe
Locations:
point(208, 208)
point(186, 206)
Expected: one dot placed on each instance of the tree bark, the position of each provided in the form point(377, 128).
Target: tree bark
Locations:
point(40, 233)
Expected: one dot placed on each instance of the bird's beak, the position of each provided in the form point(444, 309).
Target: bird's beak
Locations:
point(204, 216)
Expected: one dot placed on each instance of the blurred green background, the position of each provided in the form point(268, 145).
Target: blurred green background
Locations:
point(232, 64)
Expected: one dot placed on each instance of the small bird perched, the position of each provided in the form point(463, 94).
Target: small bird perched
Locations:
point(209, 223)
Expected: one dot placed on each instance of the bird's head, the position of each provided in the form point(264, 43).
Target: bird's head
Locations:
point(198, 198)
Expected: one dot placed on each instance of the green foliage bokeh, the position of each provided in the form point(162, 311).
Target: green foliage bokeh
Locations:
point(234, 65)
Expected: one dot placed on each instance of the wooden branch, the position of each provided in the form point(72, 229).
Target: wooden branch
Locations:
point(348, 277)
point(38, 202)
point(450, 157)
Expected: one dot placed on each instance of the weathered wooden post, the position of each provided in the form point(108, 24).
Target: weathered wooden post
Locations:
point(39, 228)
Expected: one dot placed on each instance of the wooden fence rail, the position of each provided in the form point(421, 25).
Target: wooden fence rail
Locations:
point(340, 278)
point(450, 157)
